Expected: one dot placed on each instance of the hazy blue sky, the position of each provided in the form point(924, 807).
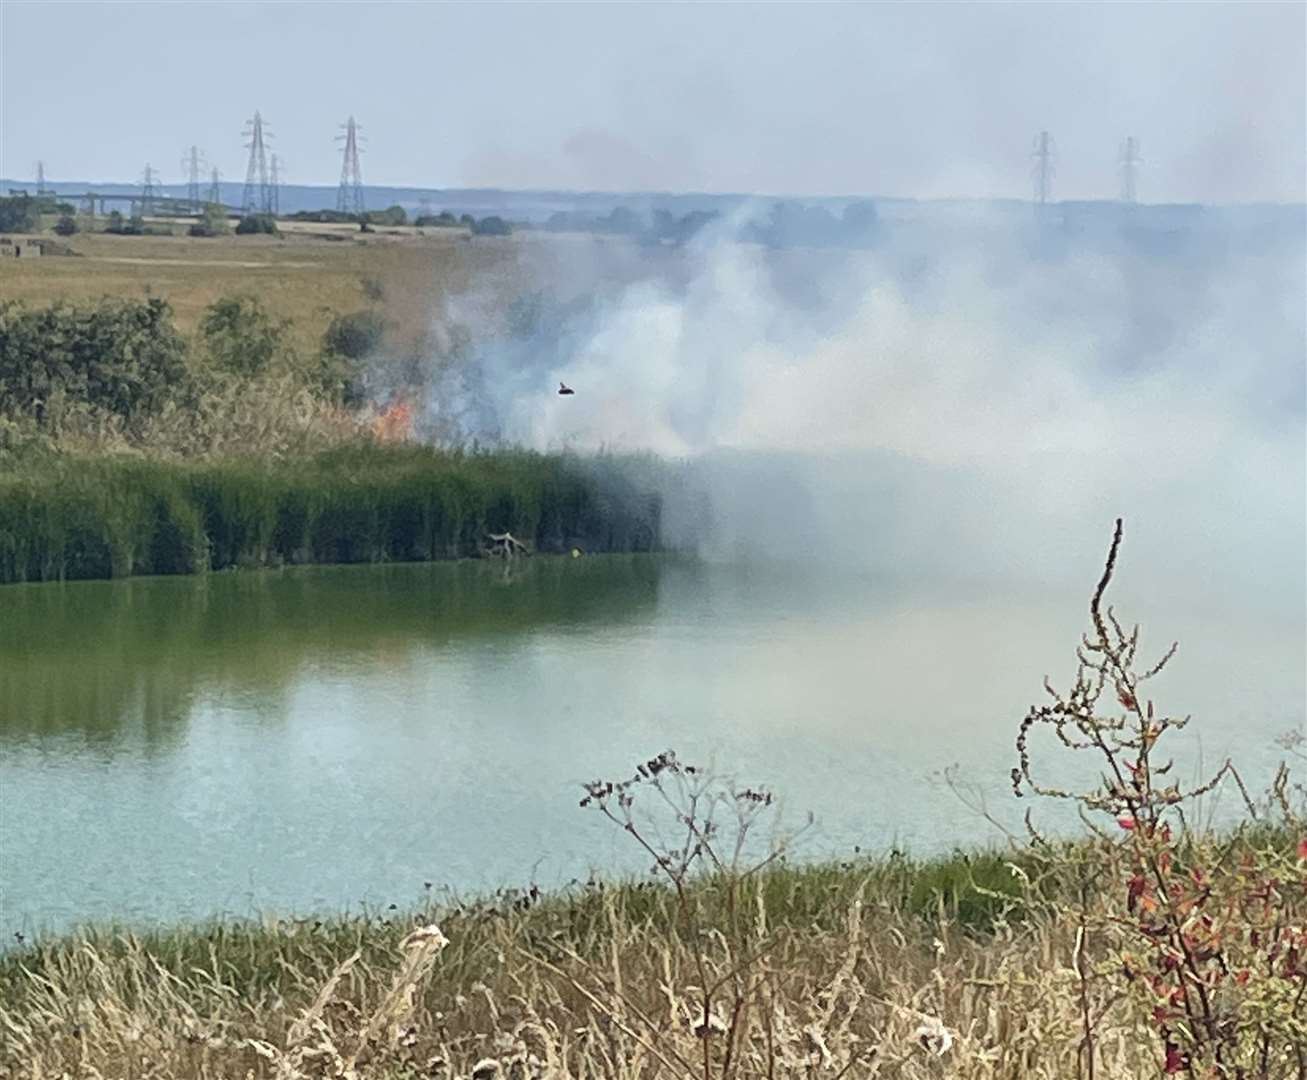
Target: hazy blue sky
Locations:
point(917, 99)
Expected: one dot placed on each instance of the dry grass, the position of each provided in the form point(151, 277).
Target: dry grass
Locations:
point(302, 277)
point(846, 977)
point(596, 987)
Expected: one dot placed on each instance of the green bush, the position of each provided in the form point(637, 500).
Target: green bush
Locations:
point(241, 337)
point(491, 226)
point(124, 356)
point(443, 220)
point(19, 214)
point(348, 342)
point(392, 215)
point(254, 224)
point(213, 222)
point(356, 335)
point(66, 225)
point(324, 216)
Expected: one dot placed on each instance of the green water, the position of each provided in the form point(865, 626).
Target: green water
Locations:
point(320, 738)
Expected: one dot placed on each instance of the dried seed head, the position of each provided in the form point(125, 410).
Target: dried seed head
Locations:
point(706, 1029)
point(934, 1037)
point(486, 1069)
point(817, 1045)
point(429, 936)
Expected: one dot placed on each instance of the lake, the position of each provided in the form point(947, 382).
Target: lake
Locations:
point(317, 739)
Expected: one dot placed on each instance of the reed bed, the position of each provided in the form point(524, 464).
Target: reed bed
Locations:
point(67, 515)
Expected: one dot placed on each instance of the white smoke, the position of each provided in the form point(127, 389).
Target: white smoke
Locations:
point(948, 406)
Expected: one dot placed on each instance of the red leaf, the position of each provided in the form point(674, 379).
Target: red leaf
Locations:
point(1302, 848)
point(1174, 1059)
point(1136, 889)
point(1126, 698)
point(1126, 822)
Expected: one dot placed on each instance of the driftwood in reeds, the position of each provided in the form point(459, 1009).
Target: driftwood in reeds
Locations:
point(504, 546)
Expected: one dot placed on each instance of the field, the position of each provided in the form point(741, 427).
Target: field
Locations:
point(308, 275)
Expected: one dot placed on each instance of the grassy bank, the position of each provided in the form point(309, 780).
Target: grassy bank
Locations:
point(964, 967)
point(67, 515)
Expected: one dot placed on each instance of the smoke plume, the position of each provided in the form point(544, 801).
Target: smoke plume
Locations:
point(970, 394)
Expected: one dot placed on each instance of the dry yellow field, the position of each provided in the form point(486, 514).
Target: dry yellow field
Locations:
point(310, 274)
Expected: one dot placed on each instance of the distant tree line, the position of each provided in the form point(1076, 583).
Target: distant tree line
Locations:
point(492, 225)
point(788, 224)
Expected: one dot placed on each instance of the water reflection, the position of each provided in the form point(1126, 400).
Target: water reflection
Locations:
point(304, 740)
point(125, 662)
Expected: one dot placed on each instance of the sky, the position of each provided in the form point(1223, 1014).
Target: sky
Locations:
point(913, 100)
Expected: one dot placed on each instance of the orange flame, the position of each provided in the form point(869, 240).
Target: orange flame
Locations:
point(394, 424)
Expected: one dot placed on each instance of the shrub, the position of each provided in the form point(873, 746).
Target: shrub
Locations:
point(356, 335)
point(213, 222)
point(491, 226)
point(348, 342)
point(323, 216)
point(240, 336)
point(66, 225)
point(392, 215)
point(256, 224)
point(123, 356)
point(19, 214)
point(1209, 950)
point(443, 220)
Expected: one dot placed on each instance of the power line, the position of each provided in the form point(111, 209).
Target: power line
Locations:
point(257, 197)
point(40, 179)
point(349, 198)
point(149, 190)
point(274, 201)
point(1043, 168)
point(1129, 166)
point(191, 165)
point(215, 188)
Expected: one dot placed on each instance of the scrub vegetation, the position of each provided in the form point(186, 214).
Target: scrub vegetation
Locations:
point(128, 446)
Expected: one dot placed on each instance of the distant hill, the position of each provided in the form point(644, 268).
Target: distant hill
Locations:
point(525, 206)
point(944, 215)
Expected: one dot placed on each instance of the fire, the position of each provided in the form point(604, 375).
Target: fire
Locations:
point(394, 423)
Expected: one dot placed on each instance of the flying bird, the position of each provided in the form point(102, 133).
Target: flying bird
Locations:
point(563, 388)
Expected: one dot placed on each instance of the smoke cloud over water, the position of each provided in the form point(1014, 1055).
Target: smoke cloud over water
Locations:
point(965, 396)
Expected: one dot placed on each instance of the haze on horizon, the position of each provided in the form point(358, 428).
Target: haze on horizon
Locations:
point(913, 100)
